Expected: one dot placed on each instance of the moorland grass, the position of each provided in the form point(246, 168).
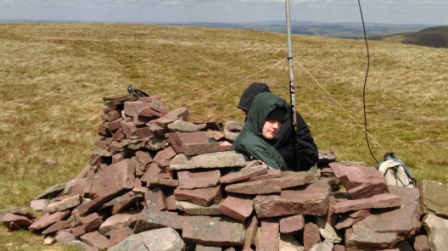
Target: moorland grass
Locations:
point(53, 78)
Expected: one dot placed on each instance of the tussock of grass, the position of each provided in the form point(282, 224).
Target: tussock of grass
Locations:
point(53, 78)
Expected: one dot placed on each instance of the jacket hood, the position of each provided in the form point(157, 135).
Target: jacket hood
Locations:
point(249, 94)
point(263, 104)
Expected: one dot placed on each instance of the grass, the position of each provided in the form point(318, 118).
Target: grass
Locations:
point(436, 37)
point(53, 78)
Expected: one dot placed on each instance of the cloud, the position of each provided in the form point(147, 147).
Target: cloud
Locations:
point(3, 2)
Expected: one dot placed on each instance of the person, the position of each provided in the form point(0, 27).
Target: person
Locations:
point(262, 124)
point(307, 154)
point(249, 94)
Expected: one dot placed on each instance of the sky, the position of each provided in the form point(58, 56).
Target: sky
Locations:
point(432, 12)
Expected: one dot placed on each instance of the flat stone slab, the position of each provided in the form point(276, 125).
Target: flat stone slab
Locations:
point(271, 174)
point(179, 139)
point(269, 236)
point(88, 206)
point(198, 179)
point(291, 179)
point(64, 204)
point(194, 209)
point(382, 230)
point(244, 174)
point(194, 143)
point(360, 181)
point(60, 225)
point(51, 192)
point(214, 231)
point(39, 205)
point(348, 220)
point(113, 179)
point(385, 200)
point(164, 157)
point(200, 196)
point(155, 199)
point(208, 160)
point(311, 235)
point(437, 229)
point(95, 239)
point(435, 196)
point(312, 200)
point(237, 207)
point(150, 219)
point(183, 126)
point(16, 221)
point(268, 186)
point(274, 185)
point(292, 224)
point(163, 239)
point(232, 129)
point(48, 219)
point(118, 221)
point(250, 233)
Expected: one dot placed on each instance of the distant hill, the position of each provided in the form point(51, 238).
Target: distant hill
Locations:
point(350, 30)
point(436, 37)
point(417, 34)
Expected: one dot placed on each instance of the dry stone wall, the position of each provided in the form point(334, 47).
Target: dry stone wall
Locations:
point(159, 182)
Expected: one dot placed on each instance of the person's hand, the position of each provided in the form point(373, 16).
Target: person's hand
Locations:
point(225, 143)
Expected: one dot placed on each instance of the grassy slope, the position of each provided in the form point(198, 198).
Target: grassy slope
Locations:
point(53, 78)
point(436, 37)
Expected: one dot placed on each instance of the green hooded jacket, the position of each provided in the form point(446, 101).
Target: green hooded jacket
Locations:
point(250, 136)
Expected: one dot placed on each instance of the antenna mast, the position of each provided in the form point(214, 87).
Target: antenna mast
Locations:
point(291, 67)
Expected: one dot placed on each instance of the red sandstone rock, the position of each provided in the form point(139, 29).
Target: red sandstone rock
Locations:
point(237, 207)
point(15, 221)
point(360, 181)
point(95, 239)
point(269, 237)
point(292, 224)
point(215, 231)
point(385, 200)
point(48, 219)
point(250, 232)
point(113, 179)
point(155, 199)
point(311, 235)
point(118, 235)
point(243, 174)
point(198, 179)
point(267, 186)
point(312, 200)
point(201, 196)
point(150, 219)
point(163, 158)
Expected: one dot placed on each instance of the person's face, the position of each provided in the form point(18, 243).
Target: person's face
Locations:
point(271, 128)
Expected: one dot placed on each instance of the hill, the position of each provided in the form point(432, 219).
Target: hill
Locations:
point(416, 34)
point(436, 37)
point(351, 30)
point(53, 78)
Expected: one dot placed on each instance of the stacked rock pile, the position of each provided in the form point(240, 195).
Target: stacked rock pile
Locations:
point(159, 182)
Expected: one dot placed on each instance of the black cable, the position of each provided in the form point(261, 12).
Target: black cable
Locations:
point(365, 84)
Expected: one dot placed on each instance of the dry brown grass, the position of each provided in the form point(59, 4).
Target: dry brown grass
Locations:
point(53, 78)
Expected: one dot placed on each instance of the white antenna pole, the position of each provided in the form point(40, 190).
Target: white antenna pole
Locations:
point(291, 87)
point(291, 66)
